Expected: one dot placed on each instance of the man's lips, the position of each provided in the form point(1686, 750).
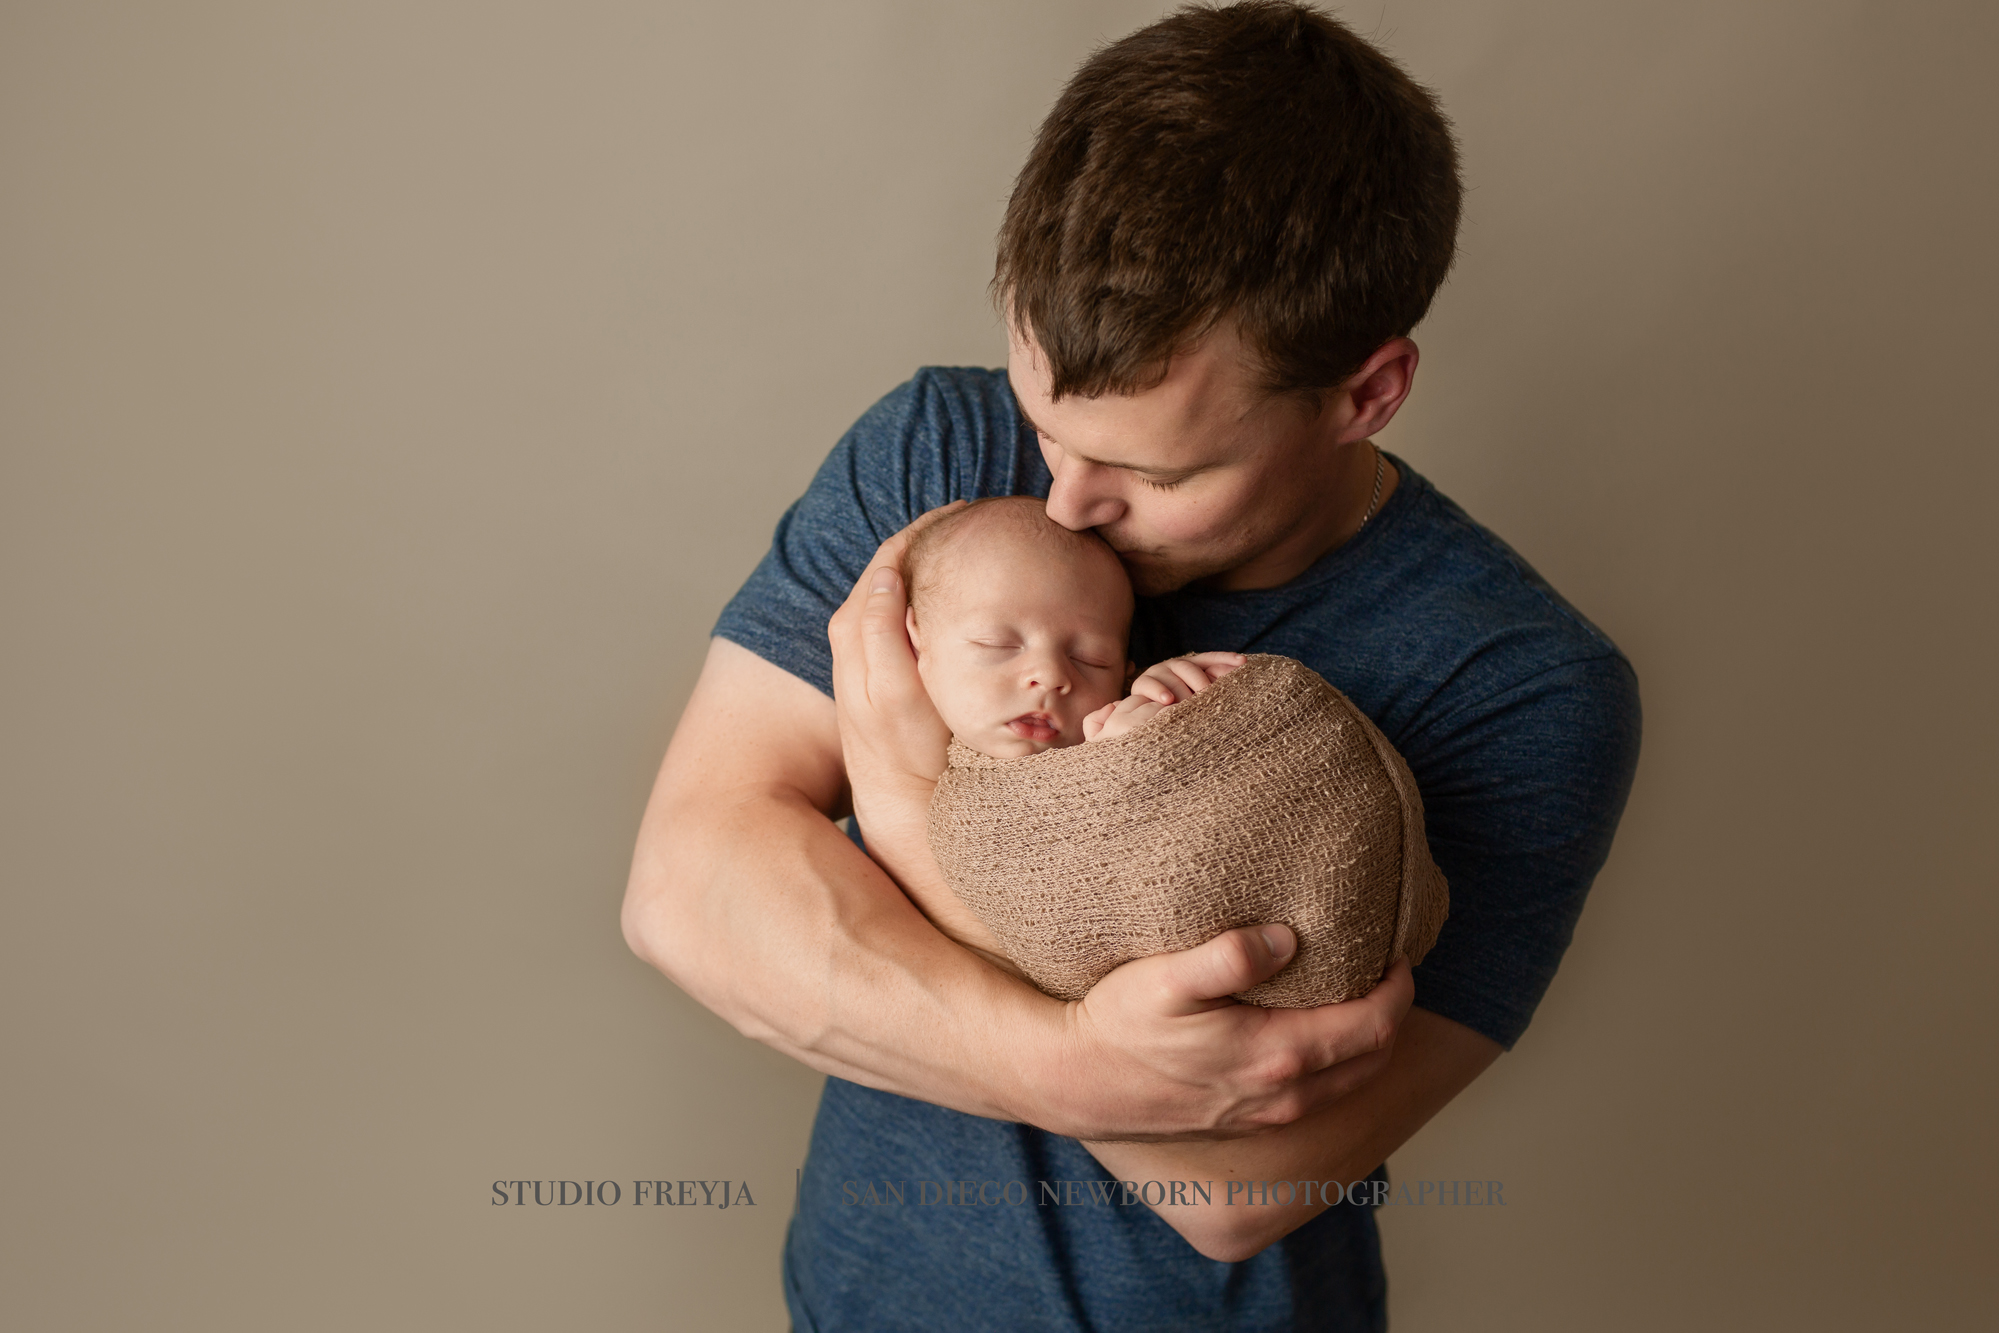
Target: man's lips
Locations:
point(1034, 727)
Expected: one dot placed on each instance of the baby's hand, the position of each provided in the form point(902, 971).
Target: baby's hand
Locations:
point(1118, 718)
point(1160, 687)
point(1180, 678)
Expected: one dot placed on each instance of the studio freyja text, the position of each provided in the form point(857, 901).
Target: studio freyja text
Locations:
point(589, 1193)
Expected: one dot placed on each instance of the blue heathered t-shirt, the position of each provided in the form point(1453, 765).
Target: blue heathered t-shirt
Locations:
point(1519, 720)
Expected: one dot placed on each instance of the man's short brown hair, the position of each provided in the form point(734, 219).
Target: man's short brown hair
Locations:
point(1258, 162)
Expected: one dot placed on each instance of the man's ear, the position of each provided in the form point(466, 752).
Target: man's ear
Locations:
point(1369, 399)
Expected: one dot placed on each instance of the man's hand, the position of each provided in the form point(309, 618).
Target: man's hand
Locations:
point(890, 734)
point(1434, 1060)
point(1161, 686)
point(892, 740)
point(1167, 1024)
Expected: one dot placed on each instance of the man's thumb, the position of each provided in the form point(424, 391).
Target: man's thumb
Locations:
point(1235, 961)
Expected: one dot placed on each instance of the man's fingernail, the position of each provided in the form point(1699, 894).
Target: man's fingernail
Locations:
point(1280, 942)
point(884, 581)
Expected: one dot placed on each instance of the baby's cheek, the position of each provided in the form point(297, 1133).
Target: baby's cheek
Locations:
point(958, 706)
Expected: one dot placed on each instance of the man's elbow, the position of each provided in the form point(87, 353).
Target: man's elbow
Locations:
point(653, 914)
point(663, 920)
point(1232, 1234)
point(1233, 1249)
point(637, 918)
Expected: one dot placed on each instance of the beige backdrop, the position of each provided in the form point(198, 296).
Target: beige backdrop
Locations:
point(393, 393)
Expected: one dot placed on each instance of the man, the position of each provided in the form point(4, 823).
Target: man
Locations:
point(1229, 224)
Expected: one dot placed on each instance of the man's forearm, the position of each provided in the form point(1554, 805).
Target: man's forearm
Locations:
point(1434, 1059)
point(755, 903)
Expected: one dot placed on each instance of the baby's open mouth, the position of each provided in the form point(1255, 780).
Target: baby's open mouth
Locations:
point(1034, 727)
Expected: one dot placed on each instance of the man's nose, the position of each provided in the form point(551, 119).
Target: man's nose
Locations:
point(1083, 495)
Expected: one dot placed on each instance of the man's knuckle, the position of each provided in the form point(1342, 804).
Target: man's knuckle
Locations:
point(1279, 1111)
point(1278, 1069)
point(1236, 952)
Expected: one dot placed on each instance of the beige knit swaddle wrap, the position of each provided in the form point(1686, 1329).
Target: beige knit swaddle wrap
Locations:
point(1266, 797)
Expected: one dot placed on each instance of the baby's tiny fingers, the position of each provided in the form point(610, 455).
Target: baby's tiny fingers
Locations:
point(1218, 664)
point(1191, 674)
point(1094, 723)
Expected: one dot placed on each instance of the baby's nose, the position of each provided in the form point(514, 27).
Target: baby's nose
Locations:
point(1049, 674)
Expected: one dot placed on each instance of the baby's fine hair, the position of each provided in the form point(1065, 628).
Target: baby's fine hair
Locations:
point(1014, 515)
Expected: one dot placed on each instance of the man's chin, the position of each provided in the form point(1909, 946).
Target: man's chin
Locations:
point(1155, 578)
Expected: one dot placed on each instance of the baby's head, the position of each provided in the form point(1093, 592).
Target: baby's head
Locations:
point(1019, 625)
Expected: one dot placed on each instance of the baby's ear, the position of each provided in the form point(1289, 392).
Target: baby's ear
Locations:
point(909, 626)
point(1130, 672)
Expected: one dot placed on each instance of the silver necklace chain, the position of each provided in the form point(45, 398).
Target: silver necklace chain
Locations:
point(1374, 502)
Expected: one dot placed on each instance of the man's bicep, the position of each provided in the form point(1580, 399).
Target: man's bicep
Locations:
point(751, 726)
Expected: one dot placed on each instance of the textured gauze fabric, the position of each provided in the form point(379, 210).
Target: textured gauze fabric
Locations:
point(1266, 797)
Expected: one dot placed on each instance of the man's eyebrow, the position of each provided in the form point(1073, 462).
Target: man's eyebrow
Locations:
point(1021, 408)
point(1176, 473)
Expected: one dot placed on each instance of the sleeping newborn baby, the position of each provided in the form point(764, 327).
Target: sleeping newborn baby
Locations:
point(1019, 627)
point(1085, 826)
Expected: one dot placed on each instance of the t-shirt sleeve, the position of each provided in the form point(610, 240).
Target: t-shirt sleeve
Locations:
point(1522, 793)
point(883, 473)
